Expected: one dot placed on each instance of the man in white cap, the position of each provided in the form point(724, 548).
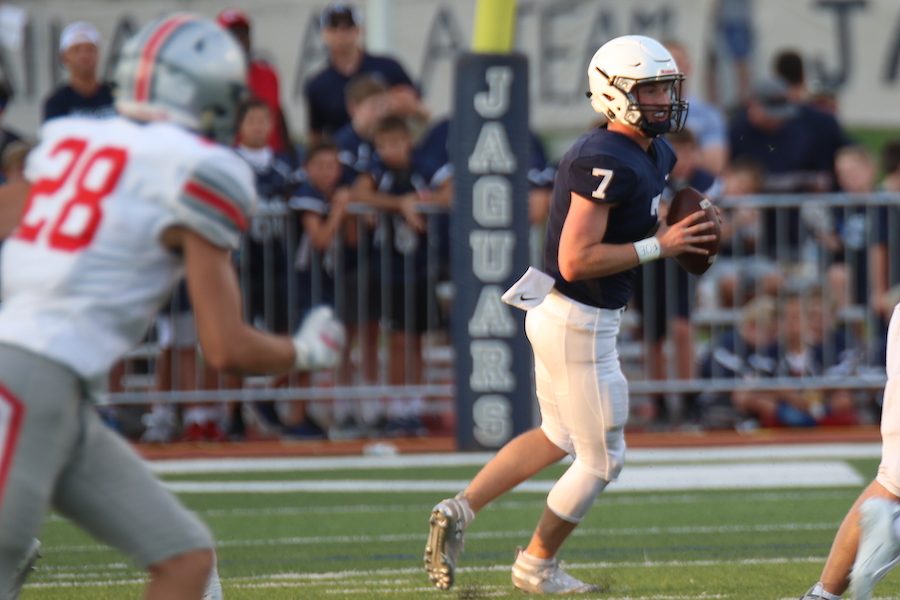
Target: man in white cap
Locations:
point(83, 94)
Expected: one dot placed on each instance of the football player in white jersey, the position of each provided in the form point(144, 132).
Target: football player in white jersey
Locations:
point(117, 210)
point(867, 544)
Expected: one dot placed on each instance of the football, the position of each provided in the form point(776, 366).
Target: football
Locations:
point(686, 202)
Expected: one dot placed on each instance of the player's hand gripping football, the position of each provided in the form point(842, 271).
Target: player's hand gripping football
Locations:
point(684, 235)
point(320, 340)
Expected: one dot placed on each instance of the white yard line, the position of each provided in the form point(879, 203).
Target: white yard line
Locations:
point(812, 474)
point(668, 499)
point(635, 456)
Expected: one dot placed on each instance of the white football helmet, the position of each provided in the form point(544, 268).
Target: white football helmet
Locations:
point(186, 69)
point(619, 67)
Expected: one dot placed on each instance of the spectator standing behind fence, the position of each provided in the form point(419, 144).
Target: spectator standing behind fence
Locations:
point(740, 272)
point(327, 263)
point(773, 131)
point(83, 93)
point(267, 251)
point(705, 120)
point(857, 239)
point(663, 292)
point(397, 182)
point(367, 103)
point(324, 91)
point(822, 125)
point(262, 80)
point(272, 298)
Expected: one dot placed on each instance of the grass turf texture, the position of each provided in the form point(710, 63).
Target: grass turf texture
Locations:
point(746, 544)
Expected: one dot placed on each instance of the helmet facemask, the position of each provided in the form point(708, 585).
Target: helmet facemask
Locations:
point(638, 114)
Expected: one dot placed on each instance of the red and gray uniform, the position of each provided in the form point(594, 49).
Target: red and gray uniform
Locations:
point(83, 276)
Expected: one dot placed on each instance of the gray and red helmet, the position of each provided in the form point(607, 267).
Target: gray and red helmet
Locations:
point(186, 69)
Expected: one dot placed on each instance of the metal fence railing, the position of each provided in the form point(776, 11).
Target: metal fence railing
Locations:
point(791, 317)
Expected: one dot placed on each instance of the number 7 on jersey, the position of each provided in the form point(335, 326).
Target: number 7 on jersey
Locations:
point(605, 176)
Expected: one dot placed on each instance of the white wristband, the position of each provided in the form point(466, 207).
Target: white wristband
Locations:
point(647, 249)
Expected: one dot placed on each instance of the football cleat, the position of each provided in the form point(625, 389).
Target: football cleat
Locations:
point(546, 577)
point(445, 541)
point(879, 548)
point(25, 569)
point(815, 593)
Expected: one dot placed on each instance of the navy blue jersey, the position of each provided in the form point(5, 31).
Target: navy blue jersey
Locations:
point(608, 168)
point(393, 233)
point(325, 90)
point(317, 269)
point(355, 152)
point(266, 251)
point(65, 101)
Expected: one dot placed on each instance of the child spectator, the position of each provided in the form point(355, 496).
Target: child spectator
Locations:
point(271, 293)
point(327, 262)
point(858, 245)
point(397, 183)
point(367, 104)
point(663, 291)
point(265, 256)
point(262, 79)
point(745, 353)
point(739, 273)
point(810, 346)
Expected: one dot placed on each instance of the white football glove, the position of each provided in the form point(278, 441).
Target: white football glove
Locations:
point(320, 340)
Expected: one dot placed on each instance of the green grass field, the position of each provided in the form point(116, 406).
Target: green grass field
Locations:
point(364, 541)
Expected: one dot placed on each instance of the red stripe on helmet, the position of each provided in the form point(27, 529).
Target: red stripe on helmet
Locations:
point(148, 55)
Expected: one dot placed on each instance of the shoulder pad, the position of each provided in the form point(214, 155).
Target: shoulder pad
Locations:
point(217, 198)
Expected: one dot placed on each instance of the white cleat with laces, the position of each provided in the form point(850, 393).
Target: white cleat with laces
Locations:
point(536, 576)
point(879, 548)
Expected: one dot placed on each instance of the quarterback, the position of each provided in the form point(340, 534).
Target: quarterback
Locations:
point(603, 223)
point(117, 211)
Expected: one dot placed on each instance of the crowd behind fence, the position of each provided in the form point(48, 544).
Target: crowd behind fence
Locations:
point(787, 328)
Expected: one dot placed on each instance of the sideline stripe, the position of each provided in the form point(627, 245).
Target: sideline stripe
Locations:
point(657, 478)
point(636, 456)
